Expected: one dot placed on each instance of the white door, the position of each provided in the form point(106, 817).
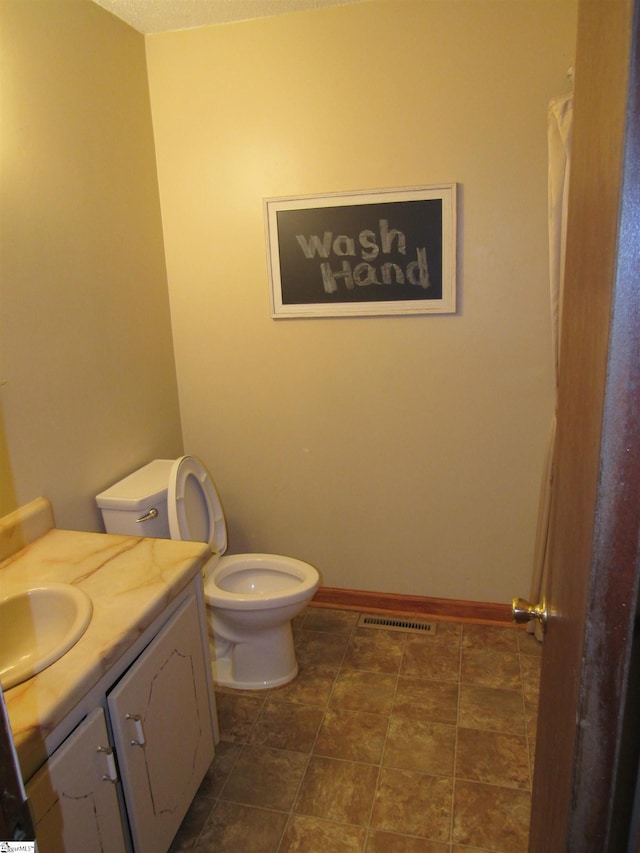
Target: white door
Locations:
point(162, 730)
point(73, 796)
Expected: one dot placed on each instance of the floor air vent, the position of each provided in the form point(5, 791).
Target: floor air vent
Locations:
point(413, 626)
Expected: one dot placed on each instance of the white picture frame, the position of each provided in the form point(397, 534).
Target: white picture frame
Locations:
point(382, 252)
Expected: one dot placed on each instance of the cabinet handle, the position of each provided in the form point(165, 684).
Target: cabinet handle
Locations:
point(112, 774)
point(137, 721)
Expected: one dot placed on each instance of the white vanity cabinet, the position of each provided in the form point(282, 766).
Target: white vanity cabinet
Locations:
point(125, 779)
point(162, 731)
point(74, 799)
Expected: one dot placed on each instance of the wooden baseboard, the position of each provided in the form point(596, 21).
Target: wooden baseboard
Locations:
point(388, 602)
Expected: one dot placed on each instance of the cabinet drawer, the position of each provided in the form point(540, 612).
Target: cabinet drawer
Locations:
point(161, 721)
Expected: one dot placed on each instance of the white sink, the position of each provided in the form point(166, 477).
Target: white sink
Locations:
point(37, 626)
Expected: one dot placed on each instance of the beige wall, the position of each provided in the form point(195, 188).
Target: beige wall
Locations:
point(397, 454)
point(85, 336)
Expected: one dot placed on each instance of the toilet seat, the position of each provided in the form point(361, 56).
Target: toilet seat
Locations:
point(296, 581)
point(193, 505)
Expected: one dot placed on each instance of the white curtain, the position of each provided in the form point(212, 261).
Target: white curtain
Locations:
point(560, 120)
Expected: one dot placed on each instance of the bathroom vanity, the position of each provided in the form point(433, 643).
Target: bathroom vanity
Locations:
point(114, 738)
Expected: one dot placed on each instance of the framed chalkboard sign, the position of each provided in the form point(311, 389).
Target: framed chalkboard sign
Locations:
point(363, 253)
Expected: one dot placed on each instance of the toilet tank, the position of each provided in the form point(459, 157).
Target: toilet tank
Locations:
point(127, 502)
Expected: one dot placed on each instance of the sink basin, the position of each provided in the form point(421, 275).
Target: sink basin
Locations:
point(37, 626)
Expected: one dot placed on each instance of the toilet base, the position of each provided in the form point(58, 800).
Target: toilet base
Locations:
point(267, 661)
point(222, 677)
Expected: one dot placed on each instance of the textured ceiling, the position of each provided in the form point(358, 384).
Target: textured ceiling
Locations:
point(157, 16)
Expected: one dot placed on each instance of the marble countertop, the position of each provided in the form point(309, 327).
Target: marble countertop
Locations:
point(130, 580)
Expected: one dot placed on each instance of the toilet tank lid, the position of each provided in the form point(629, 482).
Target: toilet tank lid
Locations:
point(147, 484)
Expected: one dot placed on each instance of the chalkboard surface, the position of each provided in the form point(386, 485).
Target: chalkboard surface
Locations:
point(363, 254)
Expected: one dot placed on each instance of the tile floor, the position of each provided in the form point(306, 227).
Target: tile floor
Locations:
point(386, 741)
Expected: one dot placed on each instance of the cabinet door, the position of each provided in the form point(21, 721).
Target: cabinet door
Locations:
point(162, 729)
point(73, 797)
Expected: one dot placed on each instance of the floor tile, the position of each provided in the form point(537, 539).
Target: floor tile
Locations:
point(413, 804)
point(528, 645)
point(491, 708)
point(446, 633)
point(389, 842)
point(532, 762)
point(491, 668)
point(530, 671)
point(312, 685)
point(531, 718)
point(492, 757)
point(491, 818)
point(320, 647)
point(192, 824)
point(237, 714)
point(226, 755)
point(287, 725)
point(374, 650)
point(326, 619)
point(359, 690)
point(264, 777)
point(424, 659)
point(531, 715)
point(339, 791)
point(232, 828)
point(418, 745)
point(352, 735)
point(490, 637)
point(311, 835)
point(423, 699)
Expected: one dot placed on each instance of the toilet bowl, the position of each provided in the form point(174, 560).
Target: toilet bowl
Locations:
point(250, 598)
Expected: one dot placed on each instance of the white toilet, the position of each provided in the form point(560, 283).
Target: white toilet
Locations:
point(251, 598)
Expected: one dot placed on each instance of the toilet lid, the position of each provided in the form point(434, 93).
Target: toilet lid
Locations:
point(194, 508)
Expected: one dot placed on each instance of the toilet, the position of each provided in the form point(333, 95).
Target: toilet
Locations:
point(251, 598)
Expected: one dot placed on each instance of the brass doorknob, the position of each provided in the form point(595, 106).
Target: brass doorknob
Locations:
point(522, 611)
